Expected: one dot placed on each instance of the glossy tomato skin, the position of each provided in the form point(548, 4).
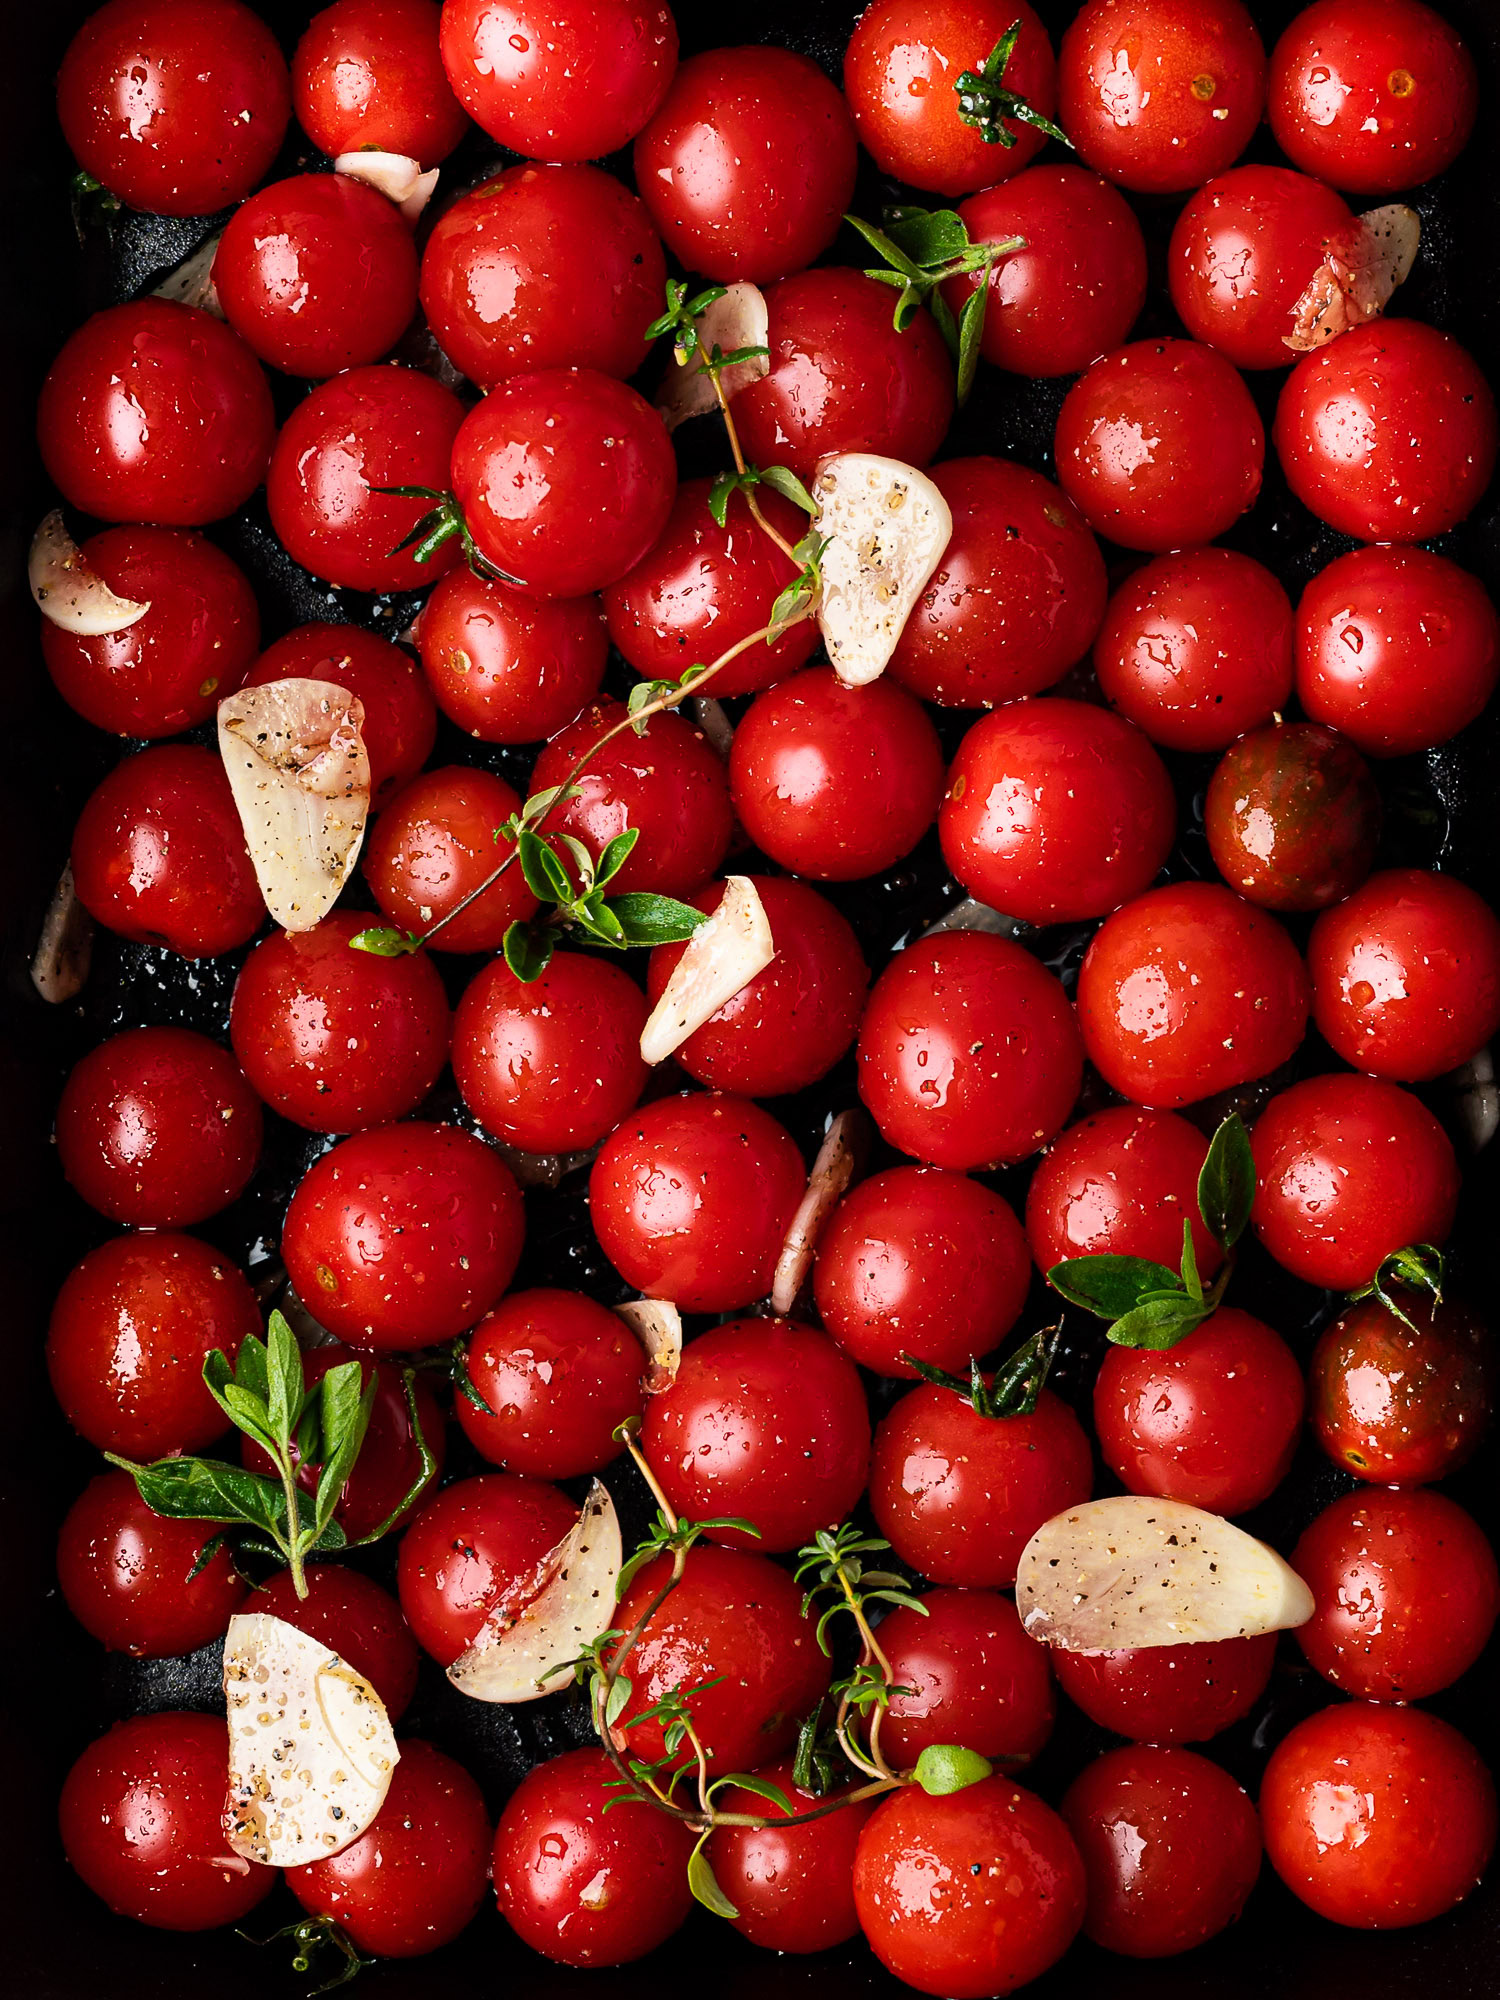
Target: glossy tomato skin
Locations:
point(159, 854)
point(748, 164)
point(969, 1055)
point(958, 1496)
point(1377, 1817)
point(580, 1885)
point(169, 670)
point(1168, 1694)
point(1188, 991)
point(970, 1894)
point(403, 1236)
point(1120, 1183)
point(1395, 1406)
point(414, 1879)
point(560, 1374)
point(508, 668)
point(1350, 1169)
point(670, 1197)
point(1056, 810)
point(1371, 98)
point(367, 74)
point(1388, 433)
point(832, 781)
point(792, 1886)
point(797, 1017)
point(158, 1128)
point(975, 1677)
point(158, 413)
point(1129, 445)
point(1135, 1814)
point(353, 1617)
point(1161, 94)
point(474, 1545)
point(435, 844)
point(127, 1574)
point(1212, 1421)
point(400, 718)
point(140, 1822)
point(843, 379)
point(543, 267)
point(177, 106)
point(916, 1260)
point(1197, 648)
point(1292, 816)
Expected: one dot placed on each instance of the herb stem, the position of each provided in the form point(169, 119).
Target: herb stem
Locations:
point(711, 370)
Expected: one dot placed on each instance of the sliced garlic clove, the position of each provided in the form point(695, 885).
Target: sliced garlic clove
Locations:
point(657, 1325)
point(311, 1748)
point(1361, 268)
point(887, 527)
point(192, 283)
point(719, 960)
point(395, 175)
point(60, 963)
point(845, 1146)
point(737, 320)
point(68, 592)
point(300, 776)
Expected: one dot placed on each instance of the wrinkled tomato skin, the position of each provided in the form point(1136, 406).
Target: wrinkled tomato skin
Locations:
point(1120, 1183)
point(1376, 1817)
point(127, 1574)
point(473, 1546)
point(974, 1676)
point(508, 668)
point(583, 1886)
point(367, 75)
point(792, 1886)
point(1168, 1694)
point(1399, 1407)
point(560, 1374)
point(353, 1617)
point(1293, 817)
point(435, 844)
point(156, 412)
point(1135, 1813)
point(400, 722)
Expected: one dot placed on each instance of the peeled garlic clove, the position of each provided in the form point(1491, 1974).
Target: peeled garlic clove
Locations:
point(839, 1156)
point(1135, 1571)
point(737, 320)
point(520, 1655)
point(657, 1325)
point(1361, 267)
point(311, 1748)
point(192, 283)
point(70, 594)
point(60, 963)
point(395, 175)
point(719, 960)
point(887, 527)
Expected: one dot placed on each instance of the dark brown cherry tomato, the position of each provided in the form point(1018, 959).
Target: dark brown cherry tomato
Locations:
point(842, 378)
point(508, 668)
point(1388, 433)
point(1121, 1184)
point(1188, 991)
point(974, 1677)
point(403, 1236)
point(1399, 648)
point(1377, 1817)
point(969, 1055)
point(159, 854)
point(748, 165)
point(128, 1575)
point(367, 75)
point(475, 1546)
point(1056, 810)
point(1017, 596)
point(792, 1886)
point(958, 1496)
point(552, 1065)
point(560, 1374)
point(1406, 1589)
point(795, 1019)
point(437, 843)
point(1161, 94)
point(970, 1894)
point(157, 1128)
point(156, 412)
point(414, 1879)
point(177, 106)
point(1349, 1170)
point(400, 722)
point(1197, 648)
point(353, 1617)
point(582, 1885)
point(1399, 1406)
point(919, 1261)
point(1292, 816)
point(1372, 98)
point(1136, 1814)
point(691, 1199)
point(140, 1820)
point(169, 670)
point(1168, 1694)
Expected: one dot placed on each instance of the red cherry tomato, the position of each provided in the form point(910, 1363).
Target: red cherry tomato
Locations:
point(560, 1375)
point(691, 1199)
point(1188, 991)
point(1056, 810)
point(437, 843)
point(748, 165)
point(795, 1019)
point(1398, 1404)
point(508, 668)
point(1121, 1184)
point(1134, 1813)
point(842, 378)
point(1168, 1694)
point(969, 1055)
point(974, 1675)
point(1388, 433)
point(1130, 453)
point(1292, 816)
point(127, 1575)
point(403, 1236)
point(560, 79)
point(1349, 1169)
point(140, 1820)
point(970, 1894)
point(169, 670)
point(792, 1886)
point(1377, 1817)
point(400, 718)
point(1017, 596)
point(159, 854)
point(367, 75)
point(582, 1885)
point(352, 1617)
point(177, 106)
point(1160, 95)
point(1372, 98)
point(919, 1261)
point(476, 1545)
point(156, 412)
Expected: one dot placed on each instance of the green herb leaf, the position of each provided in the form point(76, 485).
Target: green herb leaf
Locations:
point(386, 942)
point(929, 236)
point(1226, 1186)
point(703, 1885)
point(985, 101)
point(546, 877)
point(619, 1695)
point(285, 1394)
point(426, 1470)
point(970, 337)
point(542, 802)
point(1416, 1270)
point(527, 952)
point(948, 1767)
point(760, 1788)
point(647, 919)
point(1191, 1282)
point(207, 1553)
point(1109, 1286)
point(1158, 1322)
point(781, 479)
point(208, 1489)
point(345, 1409)
point(641, 696)
point(600, 920)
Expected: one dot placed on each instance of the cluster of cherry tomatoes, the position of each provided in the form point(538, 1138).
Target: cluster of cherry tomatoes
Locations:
point(511, 471)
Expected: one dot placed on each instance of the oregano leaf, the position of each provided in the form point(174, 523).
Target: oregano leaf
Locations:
point(1158, 1322)
point(1109, 1286)
point(705, 1887)
point(1226, 1184)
